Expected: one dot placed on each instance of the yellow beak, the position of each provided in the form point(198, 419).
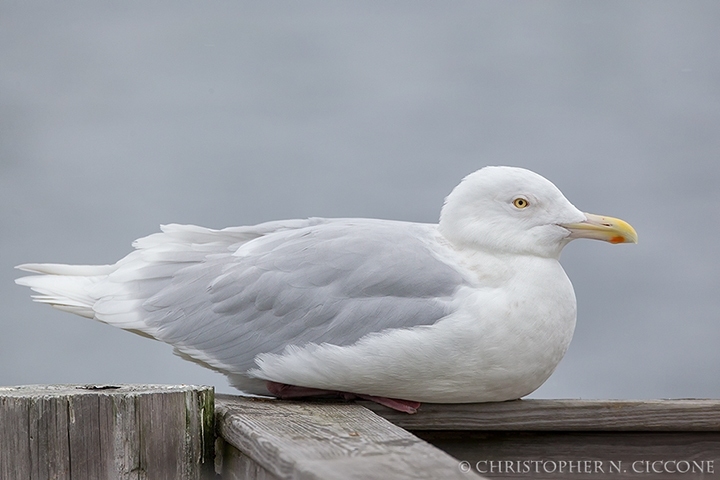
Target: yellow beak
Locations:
point(609, 229)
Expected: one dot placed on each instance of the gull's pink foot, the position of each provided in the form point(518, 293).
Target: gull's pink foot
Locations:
point(284, 391)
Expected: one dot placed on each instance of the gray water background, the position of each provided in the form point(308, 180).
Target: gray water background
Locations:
point(116, 117)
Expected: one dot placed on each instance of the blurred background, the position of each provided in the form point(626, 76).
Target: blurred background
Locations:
point(116, 117)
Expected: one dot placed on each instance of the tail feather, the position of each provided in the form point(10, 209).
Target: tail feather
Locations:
point(116, 294)
point(62, 269)
point(70, 293)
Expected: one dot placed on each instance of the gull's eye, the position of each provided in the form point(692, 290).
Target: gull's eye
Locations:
point(520, 202)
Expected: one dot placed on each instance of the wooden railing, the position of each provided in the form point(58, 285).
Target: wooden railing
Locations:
point(106, 432)
point(185, 432)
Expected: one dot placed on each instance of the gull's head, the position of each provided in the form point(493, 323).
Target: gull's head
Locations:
point(513, 210)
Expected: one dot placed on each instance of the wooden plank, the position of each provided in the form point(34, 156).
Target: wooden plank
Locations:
point(235, 465)
point(323, 440)
point(570, 455)
point(112, 431)
point(696, 415)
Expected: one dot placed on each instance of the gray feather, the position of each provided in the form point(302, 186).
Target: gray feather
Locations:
point(331, 282)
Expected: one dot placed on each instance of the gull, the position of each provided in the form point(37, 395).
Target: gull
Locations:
point(476, 308)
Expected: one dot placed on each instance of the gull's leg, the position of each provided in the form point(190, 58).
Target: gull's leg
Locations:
point(285, 391)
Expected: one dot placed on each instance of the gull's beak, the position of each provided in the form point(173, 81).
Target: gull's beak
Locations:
point(609, 229)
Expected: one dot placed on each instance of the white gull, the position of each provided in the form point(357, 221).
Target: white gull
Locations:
point(474, 309)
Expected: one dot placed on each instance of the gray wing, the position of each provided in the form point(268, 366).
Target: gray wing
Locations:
point(333, 283)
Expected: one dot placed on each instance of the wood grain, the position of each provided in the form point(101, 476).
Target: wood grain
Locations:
point(687, 415)
point(106, 432)
point(235, 465)
point(315, 440)
point(613, 455)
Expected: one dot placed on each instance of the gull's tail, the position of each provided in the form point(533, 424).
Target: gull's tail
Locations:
point(115, 294)
point(65, 287)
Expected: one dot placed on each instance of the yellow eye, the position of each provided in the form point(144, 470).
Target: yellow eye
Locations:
point(520, 202)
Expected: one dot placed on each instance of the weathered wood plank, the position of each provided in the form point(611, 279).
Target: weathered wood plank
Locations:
point(686, 415)
point(570, 455)
point(315, 440)
point(113, 432)
point(235, 465)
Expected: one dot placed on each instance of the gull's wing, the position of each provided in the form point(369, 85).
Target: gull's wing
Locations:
point(329, 283)
point(221, 297)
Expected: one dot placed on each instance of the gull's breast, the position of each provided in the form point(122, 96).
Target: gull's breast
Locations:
point(499, 343)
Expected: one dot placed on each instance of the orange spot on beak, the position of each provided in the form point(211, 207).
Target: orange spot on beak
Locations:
point(617, 240)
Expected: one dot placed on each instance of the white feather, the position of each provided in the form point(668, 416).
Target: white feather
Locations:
point(476, 308)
